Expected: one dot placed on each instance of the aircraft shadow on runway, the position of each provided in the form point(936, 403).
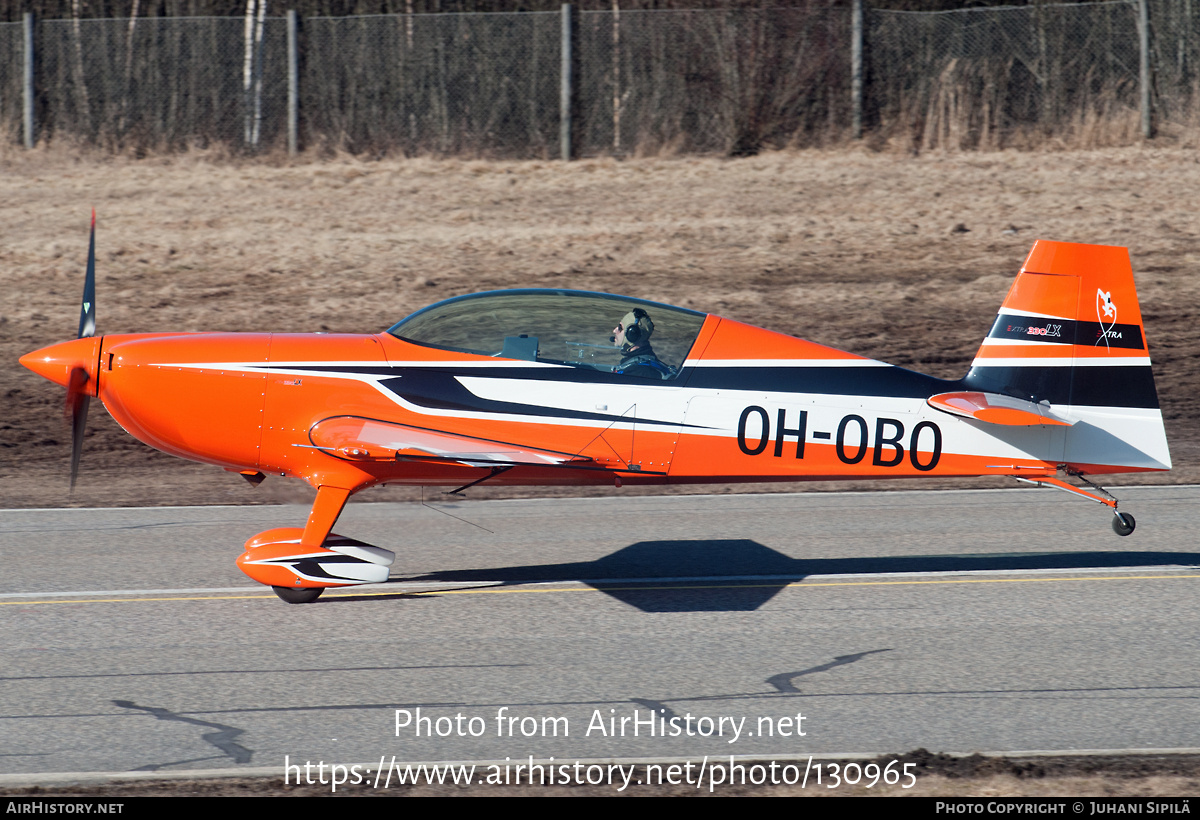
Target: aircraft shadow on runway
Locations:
point(741, 575)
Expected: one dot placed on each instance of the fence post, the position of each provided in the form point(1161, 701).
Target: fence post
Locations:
point(30, 137)
point(293, 92)
point(616, 73)
point(856, 75)
point(568, 82)
point(1143, 21)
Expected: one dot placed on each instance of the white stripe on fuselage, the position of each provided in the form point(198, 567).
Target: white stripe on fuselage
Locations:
point(785, 363)
point(1003, 311)
point(1062, 361)
point(1120, 436)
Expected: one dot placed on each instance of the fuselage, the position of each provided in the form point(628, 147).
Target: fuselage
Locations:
point(250, 401)
point(532, 387)
point(525, 387)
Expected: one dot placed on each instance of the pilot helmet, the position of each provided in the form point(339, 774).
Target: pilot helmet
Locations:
point(638, 326)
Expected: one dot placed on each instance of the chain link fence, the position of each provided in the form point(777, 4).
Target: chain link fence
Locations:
point(1175, 61)
point(714, 81)
point(482, 84)
point(989, 77)
point(725, 81)
point(488, 84)
point(12, 58)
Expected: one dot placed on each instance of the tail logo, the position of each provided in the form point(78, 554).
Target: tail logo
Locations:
point(1104, 303)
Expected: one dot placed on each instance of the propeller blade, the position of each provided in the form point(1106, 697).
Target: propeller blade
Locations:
point(76, 411)
point(79, 413)
point(77, 400)
point(87, 313)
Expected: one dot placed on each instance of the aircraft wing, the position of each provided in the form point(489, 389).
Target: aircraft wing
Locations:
point(372, 440)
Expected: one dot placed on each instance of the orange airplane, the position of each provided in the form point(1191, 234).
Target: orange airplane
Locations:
point(542, 387)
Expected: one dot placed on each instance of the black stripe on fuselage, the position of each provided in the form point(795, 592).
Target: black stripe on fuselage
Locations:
point(1106, 386)
point(439, 390)
point(883, 381)
point(1012, 327)
point(873, 380)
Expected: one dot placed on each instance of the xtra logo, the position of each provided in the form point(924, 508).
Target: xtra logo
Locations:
point(1106, 309)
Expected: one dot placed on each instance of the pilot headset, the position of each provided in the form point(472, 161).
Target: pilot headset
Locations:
point(638, 326)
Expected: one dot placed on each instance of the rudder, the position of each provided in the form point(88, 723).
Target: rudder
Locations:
point(1070, 334)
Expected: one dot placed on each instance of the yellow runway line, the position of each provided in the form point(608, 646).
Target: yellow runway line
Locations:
point(606, 588)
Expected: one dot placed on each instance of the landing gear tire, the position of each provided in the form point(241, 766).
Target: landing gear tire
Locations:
point(1123, 523)
point(306, 595)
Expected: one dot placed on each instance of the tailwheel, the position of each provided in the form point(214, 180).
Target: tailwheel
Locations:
point(1123, 523)
point(306, 595)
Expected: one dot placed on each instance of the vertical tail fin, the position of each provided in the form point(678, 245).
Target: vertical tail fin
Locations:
point(1070, 333)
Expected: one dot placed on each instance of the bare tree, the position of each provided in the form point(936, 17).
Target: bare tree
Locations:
point(126, 99)
point(81, 92)
point(256, 11)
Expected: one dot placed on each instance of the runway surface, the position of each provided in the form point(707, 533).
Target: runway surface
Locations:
point(954, 621)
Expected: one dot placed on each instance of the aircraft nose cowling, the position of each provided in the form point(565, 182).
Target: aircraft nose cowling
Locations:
point(197, 396)
point(56, 362)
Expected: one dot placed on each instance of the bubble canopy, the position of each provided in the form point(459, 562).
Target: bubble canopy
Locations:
point(568, 327)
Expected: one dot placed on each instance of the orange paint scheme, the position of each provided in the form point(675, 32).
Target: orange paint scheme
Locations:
point(994, 409)
point(212, 414)
point(525, 388)
point(56, 363)
point(738, 341)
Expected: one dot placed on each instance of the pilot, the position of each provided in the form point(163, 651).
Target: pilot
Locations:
point(632, 335)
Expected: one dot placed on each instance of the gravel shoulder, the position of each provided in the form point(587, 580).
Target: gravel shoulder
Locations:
point(937, 775)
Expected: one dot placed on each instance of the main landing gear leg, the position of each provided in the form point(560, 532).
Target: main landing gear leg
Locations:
point(325, 511)
point(1122, 524)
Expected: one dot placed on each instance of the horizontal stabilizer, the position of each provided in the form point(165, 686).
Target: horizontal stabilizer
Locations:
point(371, 440)
point(995, 409)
